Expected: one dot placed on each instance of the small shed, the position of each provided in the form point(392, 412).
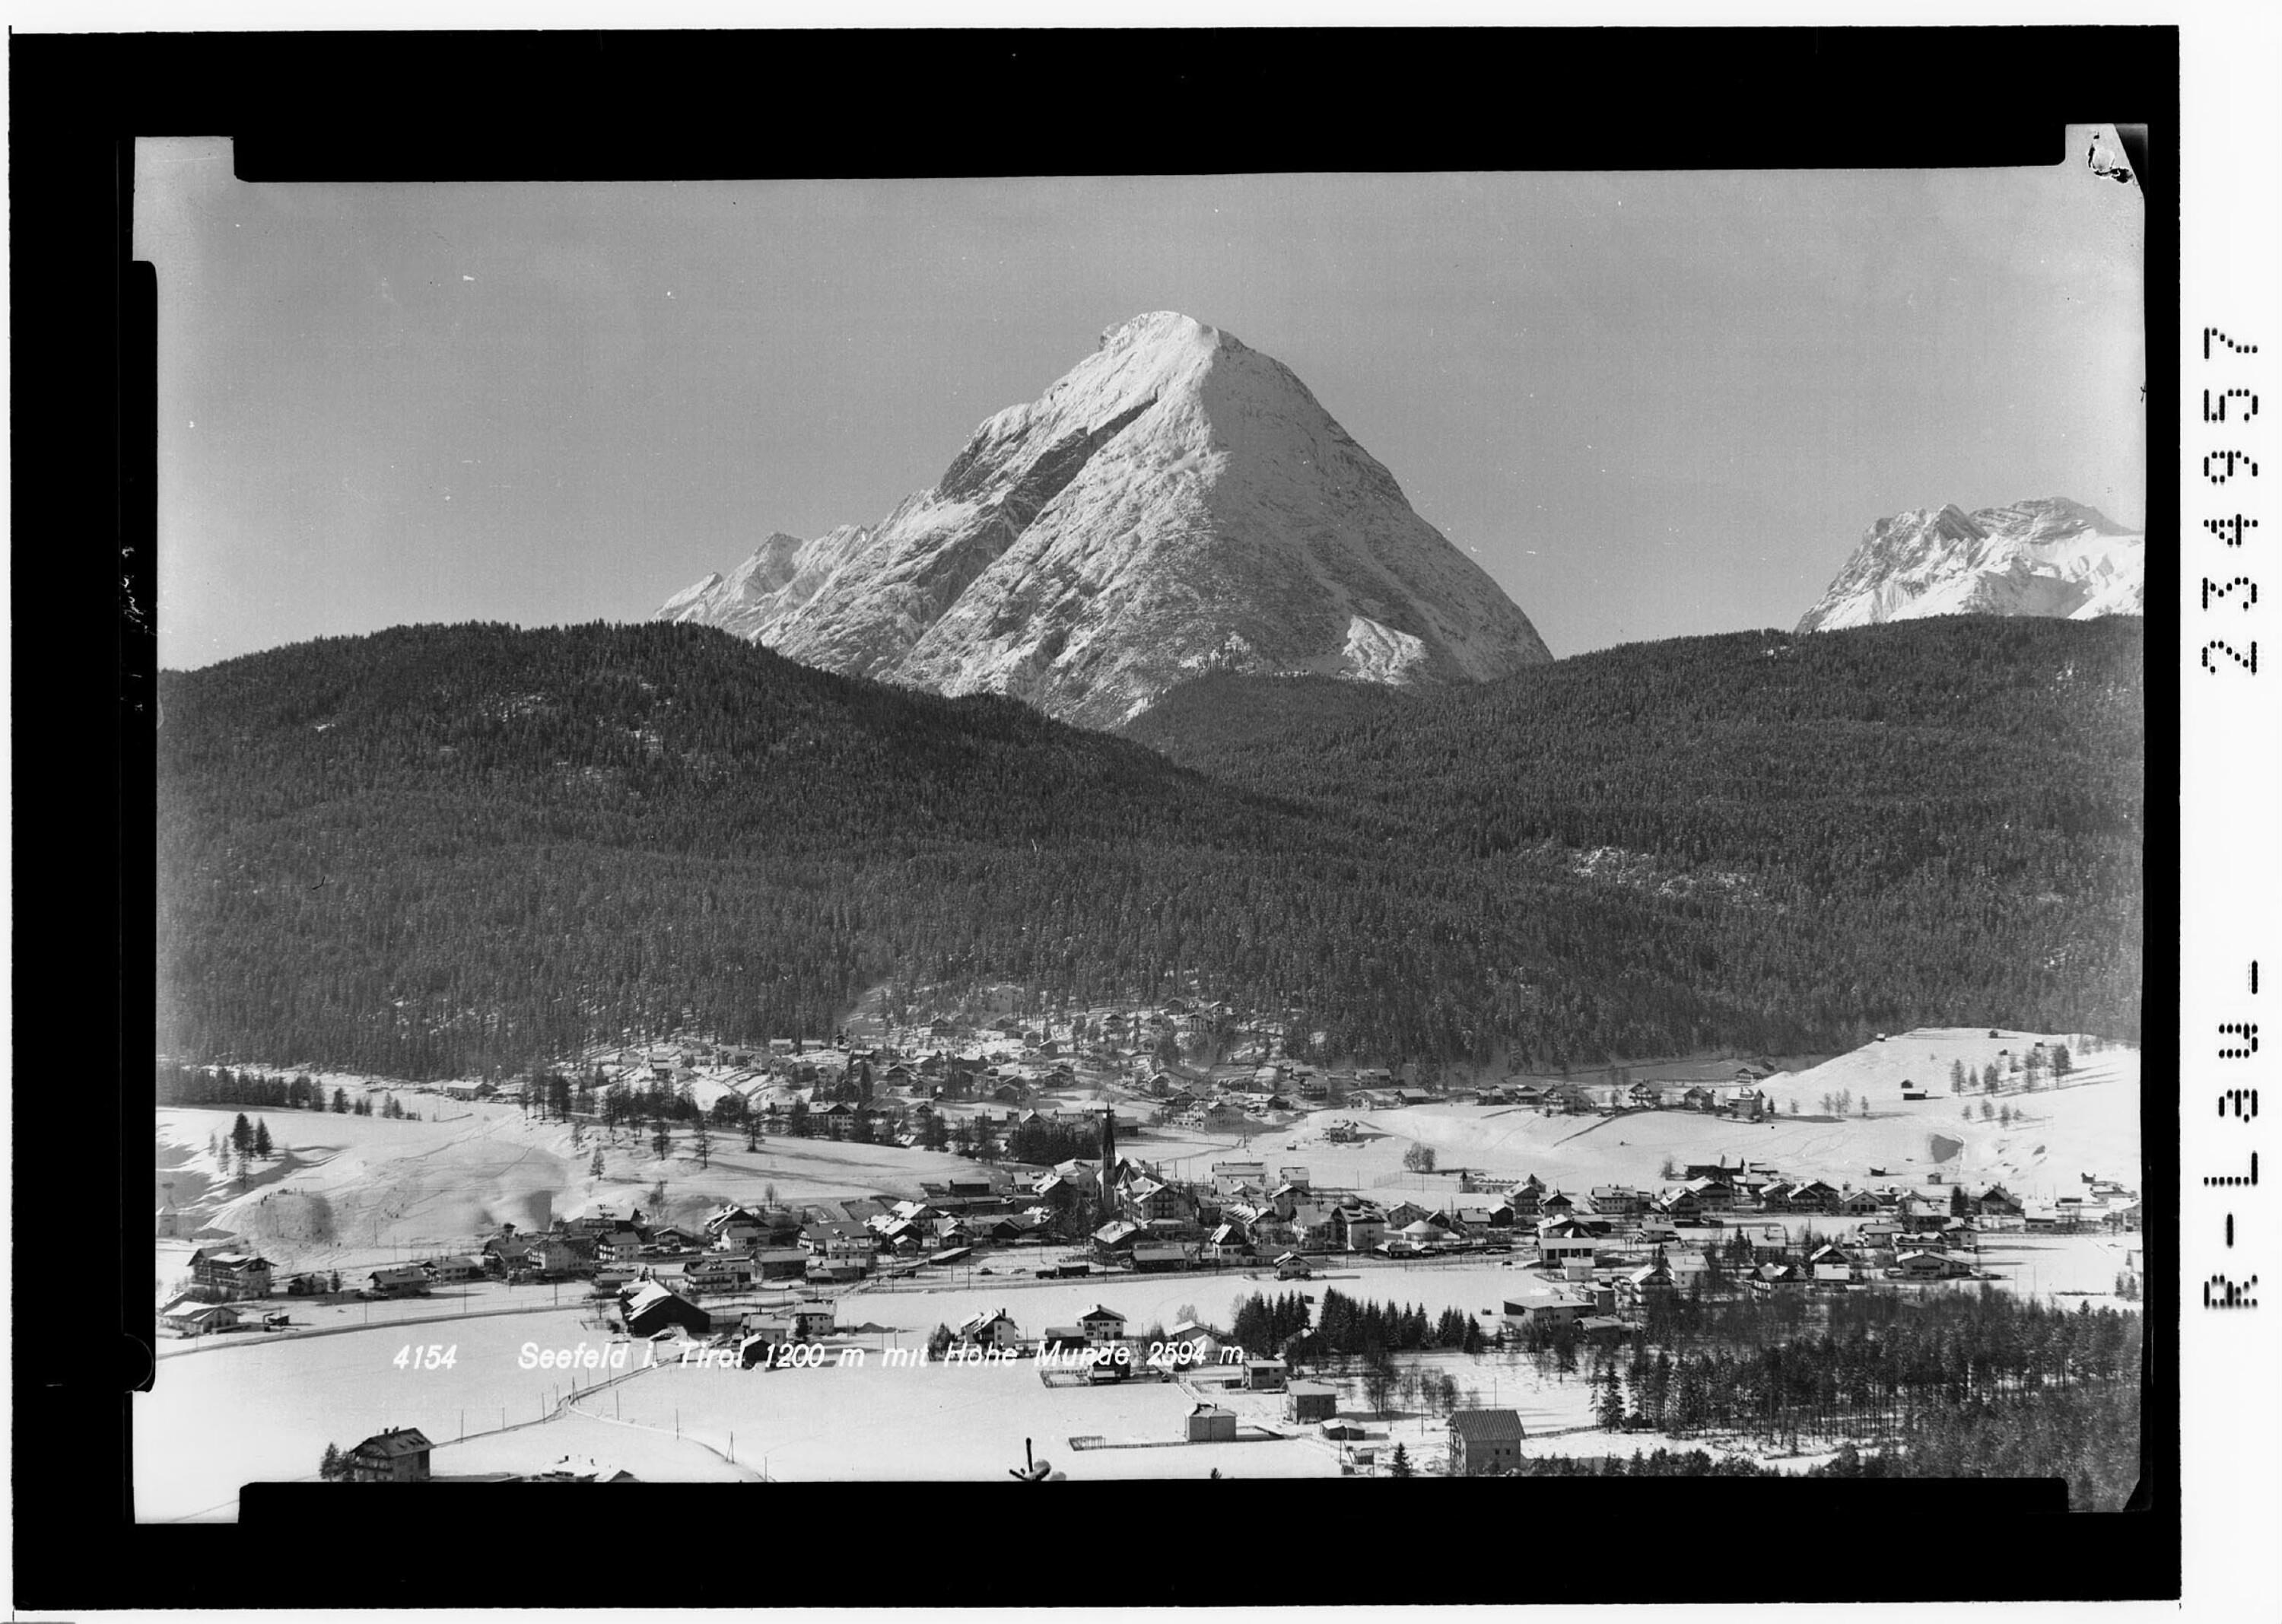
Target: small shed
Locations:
point(1210, 1423)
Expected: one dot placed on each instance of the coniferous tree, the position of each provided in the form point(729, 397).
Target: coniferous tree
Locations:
point(1611, 1414)
point(262, 1145)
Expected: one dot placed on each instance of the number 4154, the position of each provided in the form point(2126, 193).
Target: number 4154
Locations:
point(434, 1357)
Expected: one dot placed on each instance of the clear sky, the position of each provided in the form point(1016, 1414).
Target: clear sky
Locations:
point(1649, 405)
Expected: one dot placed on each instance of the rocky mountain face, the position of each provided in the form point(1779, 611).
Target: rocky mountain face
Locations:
point(2048, 557)
point(1176, 503)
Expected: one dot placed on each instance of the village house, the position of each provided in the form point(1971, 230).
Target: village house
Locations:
point(550, 1257)
point(1813, 1195)
point(1680, 1205)
point(649, 1308)
point(621, 1246)
point(1484, 1443)
point(1310, 1400)
point(1101, 1325)
point(1228, 1244)
point(1831, 1263)
point(1210, 1423)
point(225, 1274)
point(190, 1318)
point(778, 1263)
point(720, 1271)
point(1147, 1199)
point(1566, 1241)
point(1234, 1179)
point(1203, 1346)
point(1644, 1285)
point(452, 1271)
point(1313, 1228)
point(1116, 1239)
point(1164, 1255)
point(987, 1328)
point(398, 1456)
point(1424, 1234)
point(398, 1280)
point(504, 1253)
point(1924, 1265)
point(1543, 1309)
point(1769, 1279)
point(1361, 1228)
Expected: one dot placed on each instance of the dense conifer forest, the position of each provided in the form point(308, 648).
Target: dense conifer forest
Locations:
point(1923, 817)
point(442, 848)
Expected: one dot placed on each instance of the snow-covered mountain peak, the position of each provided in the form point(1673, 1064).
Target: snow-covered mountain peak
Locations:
point(1174, 502)
point(1165, 328)
point(2047, 556)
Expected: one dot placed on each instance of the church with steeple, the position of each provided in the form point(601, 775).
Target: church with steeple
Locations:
point(1108, 1181)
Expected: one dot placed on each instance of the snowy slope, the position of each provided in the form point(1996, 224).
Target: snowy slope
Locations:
point(2048, 557)
point(1175, 503)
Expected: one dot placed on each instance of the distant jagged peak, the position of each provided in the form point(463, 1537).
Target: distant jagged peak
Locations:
point(2042, 518)
point(1948, 521)
point(2047, 556)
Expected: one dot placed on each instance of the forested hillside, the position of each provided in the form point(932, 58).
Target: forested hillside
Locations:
point(1945, 814)
point(441, 847)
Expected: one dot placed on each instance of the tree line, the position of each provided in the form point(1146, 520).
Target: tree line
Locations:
point(180, 1084)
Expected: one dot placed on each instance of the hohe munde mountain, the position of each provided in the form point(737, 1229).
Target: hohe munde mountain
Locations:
point(1176, 503)
point(2047, 556)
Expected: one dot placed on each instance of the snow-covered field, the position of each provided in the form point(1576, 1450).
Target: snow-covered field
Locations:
point(258, 1409)
point(2092, 1126)
point(350, 1192)
point(234, 1409)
